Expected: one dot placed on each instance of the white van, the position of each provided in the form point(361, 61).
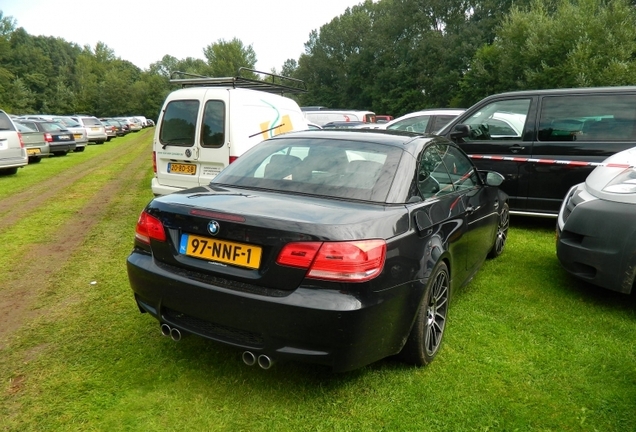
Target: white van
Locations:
point(323, 116)
point(210, 122)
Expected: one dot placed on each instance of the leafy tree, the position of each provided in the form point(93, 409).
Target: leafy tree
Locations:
point(580, 43)
point(226, 57)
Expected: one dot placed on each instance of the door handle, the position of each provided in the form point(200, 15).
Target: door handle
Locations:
point(516, 148)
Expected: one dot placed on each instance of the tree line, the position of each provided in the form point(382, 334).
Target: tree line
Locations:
point(389, 56)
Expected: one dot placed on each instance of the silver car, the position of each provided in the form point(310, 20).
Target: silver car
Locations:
point(13, 155)
point(596, 227)
point(79, 132)
point(95, 131)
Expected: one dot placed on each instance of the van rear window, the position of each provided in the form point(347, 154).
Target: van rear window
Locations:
point(178, 126)
point(213, 130)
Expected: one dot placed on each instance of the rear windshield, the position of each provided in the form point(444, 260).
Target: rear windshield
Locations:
point(179, 123)
point(89, 121)
point(51, 127)
point(329, 168)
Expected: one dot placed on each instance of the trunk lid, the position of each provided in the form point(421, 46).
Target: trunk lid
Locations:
point(248, 222)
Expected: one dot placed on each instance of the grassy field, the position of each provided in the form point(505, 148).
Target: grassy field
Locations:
point(527, 348)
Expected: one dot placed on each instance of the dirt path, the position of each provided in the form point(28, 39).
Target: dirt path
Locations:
point(25, 283)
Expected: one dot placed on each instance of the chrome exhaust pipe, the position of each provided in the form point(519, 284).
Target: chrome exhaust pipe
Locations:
point(249, 358)
point(265, 362)
point(175, 334)
point(165, 330)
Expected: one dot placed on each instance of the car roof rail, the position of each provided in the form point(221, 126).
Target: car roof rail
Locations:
point(273, 84)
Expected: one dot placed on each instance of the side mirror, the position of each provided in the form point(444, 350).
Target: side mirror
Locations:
point(460, 131)
point(492, 178)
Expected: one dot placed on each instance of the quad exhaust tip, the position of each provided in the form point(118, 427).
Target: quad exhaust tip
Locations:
point(263, 361)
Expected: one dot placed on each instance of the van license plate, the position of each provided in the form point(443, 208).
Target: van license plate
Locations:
point(179, 168)
point(33, 151)
point(239, 254)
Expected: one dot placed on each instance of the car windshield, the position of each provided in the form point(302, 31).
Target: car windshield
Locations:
point(322, 167)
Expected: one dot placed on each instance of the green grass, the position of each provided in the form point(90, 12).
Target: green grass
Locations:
point(527, 348)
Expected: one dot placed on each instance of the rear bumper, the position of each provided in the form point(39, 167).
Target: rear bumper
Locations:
point(159, 189)
point(321, 326)
point(62, 147)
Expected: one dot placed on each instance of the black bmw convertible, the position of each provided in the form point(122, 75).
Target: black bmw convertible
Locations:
point(333, 247)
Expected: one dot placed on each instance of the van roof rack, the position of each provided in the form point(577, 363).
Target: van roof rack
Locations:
point(284, 84)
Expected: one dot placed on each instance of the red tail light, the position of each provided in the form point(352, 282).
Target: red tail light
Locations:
point(149, 227)
point(48, 138)
point(354, 261)
point(233, 158)
point(154, 162)
point(21, 142)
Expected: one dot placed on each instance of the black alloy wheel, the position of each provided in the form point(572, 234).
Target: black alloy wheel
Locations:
point(427, 333)
point(502, 232)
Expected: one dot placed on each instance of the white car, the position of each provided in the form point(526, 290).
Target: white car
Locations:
point(95, 131)
point(13, 155)
point(596, 226)
point(425, 121)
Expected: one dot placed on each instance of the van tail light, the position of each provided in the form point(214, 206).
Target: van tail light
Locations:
point(154, 162)
point(233, 158)
point(149, 227)
point(48, 137)
point(352, 261)
point(21, 141)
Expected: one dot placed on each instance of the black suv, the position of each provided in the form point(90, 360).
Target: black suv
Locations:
point(545, 141)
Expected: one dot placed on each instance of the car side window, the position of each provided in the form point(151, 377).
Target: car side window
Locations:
point(588, 118)
point(461, 170)
point(441, 121)
point(433, 178)
point(412, 124)
point(499, 120)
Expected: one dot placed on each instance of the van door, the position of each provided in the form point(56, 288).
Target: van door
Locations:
point(501, 128)
point(214, 135)
point(581, 127)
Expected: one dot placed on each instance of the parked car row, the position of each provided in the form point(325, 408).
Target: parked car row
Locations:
point(29, 138)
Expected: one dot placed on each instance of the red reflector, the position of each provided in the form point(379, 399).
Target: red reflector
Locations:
point(355, 261)
point(149, 227)
point(298, 254)
point(233, 158)
point(154, 162)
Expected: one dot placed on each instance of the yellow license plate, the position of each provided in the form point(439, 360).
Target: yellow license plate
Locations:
point(179, 168)
point(210, 249)
point(95, 128)
point(77, 136)
point(32, 151)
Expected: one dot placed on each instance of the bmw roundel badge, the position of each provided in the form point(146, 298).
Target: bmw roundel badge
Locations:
point(213, 227)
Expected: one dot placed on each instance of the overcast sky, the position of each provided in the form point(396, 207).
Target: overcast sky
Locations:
point(143, 31)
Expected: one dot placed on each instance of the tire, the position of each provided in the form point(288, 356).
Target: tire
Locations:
point(79, 149)
point(9, 171)
point(502, 232)
point(60, 153)
point(35, 159)
point(427, 333)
